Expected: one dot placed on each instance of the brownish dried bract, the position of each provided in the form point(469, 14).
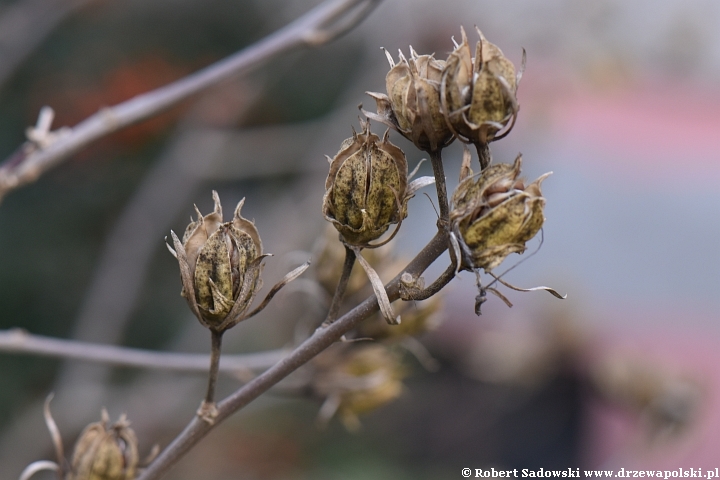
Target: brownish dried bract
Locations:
point(105, 452)
point(220, 266)
point(329, 256)
point(367, 187)
point(417, 319)
point(412, 104)
point(494, 214)
point(479, 94)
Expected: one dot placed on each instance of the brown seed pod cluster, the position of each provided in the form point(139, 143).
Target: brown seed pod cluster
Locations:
point(412, 104)
point(431, 101)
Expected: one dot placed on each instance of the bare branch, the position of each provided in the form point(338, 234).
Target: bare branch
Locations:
point(19, 341)
point(319, 341)
point(318, 26)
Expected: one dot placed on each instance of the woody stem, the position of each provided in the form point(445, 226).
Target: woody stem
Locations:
point(319, 341)
point(439, 172)
point(434, 287)
point(341, 287)
point(484, 155)
point(216, 345)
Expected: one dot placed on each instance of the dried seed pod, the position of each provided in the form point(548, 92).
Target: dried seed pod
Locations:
point(479, 94)
point(357, 380)
point(105, 452)
point(412, 104)
point(367, 187)
point(329, 255)
point(494, 214)
point(220, 265)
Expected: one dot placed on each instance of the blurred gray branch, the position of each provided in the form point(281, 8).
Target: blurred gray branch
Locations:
point(114, 289)
point(320, 25)
point(20, 341)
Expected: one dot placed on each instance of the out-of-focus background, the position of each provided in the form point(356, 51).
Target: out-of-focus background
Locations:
point(620, 100)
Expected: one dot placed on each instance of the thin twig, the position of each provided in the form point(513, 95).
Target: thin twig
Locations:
point(341, 287)
point(320, 340)
point(215, 350)
point(19, 341)
point(318, 26)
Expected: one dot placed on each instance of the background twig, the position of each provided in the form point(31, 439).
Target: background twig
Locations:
point(195, 154)
point(318, 26)
point(19, 341)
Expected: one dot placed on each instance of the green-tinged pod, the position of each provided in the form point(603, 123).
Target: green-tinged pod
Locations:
point(222, 271)
point(105, 452)
point(479, 95)
point(367, 188)
point(495, 214)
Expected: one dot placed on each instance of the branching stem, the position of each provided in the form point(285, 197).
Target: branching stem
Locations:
point(319, 341)
point(324, 23)
point(434, 287)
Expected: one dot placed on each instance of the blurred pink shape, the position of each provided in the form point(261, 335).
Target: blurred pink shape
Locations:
point(651, 128)
point(615, 438)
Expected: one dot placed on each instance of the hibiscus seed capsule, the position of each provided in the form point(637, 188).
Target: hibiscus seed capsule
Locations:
point(479, 94)
point(223, 266)
point(105, 452)
point(412, 105)
point(495, 214)
point(367, 187)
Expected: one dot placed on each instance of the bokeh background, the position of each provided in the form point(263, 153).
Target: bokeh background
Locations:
point(620, 100)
